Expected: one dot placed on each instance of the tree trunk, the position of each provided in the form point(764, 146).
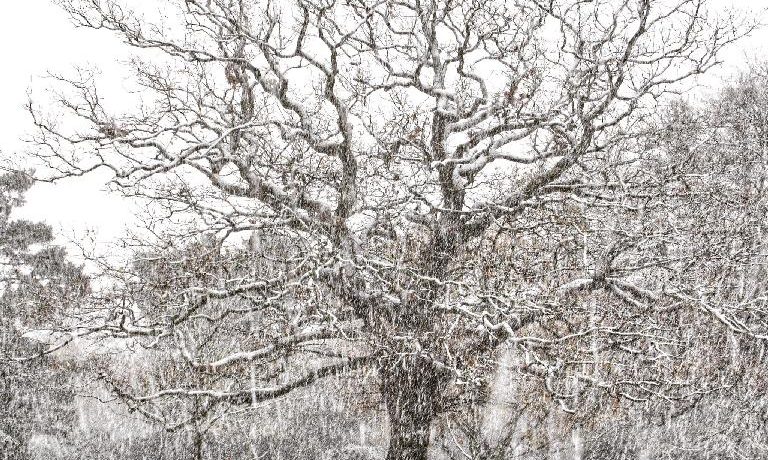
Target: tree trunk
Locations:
point(412, 388)
point(197, 444)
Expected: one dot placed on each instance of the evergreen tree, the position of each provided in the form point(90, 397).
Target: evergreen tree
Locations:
point(37, 282)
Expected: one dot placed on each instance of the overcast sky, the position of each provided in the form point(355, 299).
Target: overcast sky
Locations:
point(35, 37)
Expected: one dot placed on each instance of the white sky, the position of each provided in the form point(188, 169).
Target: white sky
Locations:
point(35, 37)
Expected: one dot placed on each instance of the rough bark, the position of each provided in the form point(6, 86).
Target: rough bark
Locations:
point(412, 387)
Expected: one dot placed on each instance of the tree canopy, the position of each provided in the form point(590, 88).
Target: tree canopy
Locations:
point(411, 187)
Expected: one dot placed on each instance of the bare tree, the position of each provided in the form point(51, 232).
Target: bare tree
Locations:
point(431, 179)
point(700, 241)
